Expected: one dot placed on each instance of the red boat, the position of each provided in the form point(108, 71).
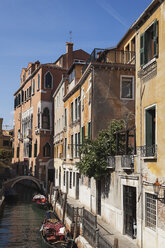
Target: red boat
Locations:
point(54, 233)
point(40, 201)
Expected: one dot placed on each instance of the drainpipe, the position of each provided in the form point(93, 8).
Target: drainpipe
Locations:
point(141, 176)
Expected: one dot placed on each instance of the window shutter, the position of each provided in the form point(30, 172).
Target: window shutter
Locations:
point(155, 38)
point(81, 130)
point(149, 133)
point(142, 42)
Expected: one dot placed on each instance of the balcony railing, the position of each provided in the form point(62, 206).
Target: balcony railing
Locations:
point(127, 161)
point(110, 56)
point(149, 151)
point(111, 162)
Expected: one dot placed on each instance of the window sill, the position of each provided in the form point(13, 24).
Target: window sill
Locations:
point(149, 63)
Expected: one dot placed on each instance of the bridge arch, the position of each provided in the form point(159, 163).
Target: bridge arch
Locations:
point(12, 182)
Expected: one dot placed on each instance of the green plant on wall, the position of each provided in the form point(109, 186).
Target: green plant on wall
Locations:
point(94, 153)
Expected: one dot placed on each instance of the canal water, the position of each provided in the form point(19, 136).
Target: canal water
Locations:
point(20, 221)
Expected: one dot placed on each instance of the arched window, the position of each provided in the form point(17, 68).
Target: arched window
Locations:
point(47, 150)
point(46, 119)
point(48, 80)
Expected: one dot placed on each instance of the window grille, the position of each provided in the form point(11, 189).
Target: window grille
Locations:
point(150, 211)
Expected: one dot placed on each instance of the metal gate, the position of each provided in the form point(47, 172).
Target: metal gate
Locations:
point(129, 200)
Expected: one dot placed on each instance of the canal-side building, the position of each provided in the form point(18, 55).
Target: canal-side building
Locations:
point(34, 115)
point(68, 174)
point(5, 138)
point(150, 134)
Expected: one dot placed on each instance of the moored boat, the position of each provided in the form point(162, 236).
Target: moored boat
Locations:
point(54, 232)
point(40, 201)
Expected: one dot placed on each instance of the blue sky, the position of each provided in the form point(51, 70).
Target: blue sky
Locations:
point(33, 30)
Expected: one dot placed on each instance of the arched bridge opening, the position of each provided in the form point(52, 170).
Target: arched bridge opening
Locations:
point(14, 181)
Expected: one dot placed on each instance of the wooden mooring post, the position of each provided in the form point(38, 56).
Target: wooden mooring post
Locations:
point(76, 225)
point(64, 207)
point(116, 243)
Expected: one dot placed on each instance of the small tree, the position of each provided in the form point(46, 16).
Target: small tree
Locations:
point(94, 153)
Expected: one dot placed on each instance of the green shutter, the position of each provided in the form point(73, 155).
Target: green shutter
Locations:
point(81, 130)
point(142, 48)
point(148, 128)
point(155, 38)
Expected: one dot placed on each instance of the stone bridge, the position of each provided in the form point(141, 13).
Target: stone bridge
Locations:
point(10, 183)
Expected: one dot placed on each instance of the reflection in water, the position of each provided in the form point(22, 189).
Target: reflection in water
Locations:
point(20, 222)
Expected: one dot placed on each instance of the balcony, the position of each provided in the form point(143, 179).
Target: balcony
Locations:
point(110, 56)
point(149, 151)
point(127, 162)
point(111, 162)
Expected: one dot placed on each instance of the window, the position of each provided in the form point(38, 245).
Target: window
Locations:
point(29, 72)
point(38, 119)
point(35, 149)
point(76, 145)
point(150, 211)
point(150, 129)
point(65, 147)
point(70, 179)
point(64, 177)
point(30, 150)
point(38, 81)
point(25, 95)
point(46, 119)
point(18, 151)
point(47, 150)
point(73, 179)
point(89, 130)
point(30, 89)
point(5, 142)
point(48, 80)
point(79, 144)
point(149, 44)
point(72, 112)
point(22, 96)
point(65, 117)
point(82, 134)
point(33, 86)
point(127, 87)
point(71, 146)
point(71, 75)
point(76, 109)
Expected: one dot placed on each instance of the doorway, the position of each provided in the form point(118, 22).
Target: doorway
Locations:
point(98, 197)
point(51, 175)
point(77, 185)
point(129, 202)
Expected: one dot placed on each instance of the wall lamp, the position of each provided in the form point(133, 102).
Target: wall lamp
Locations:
point(157, 186)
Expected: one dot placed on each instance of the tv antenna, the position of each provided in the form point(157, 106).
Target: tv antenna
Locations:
point(70, 35)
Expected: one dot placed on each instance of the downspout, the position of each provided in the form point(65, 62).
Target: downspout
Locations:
point(141, 176)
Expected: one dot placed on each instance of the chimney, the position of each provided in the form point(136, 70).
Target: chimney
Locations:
point(69, 47)
point(69, 51)
point(1, 121)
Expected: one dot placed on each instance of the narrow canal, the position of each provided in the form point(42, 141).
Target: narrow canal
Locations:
point(20, 221)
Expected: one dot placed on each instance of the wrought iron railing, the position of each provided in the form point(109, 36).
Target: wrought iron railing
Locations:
point(127, 161)
point(89, 232)
point(111, 162)
point(149, 151)
point(70, 211)
point(91, 218)
point(110, 56)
